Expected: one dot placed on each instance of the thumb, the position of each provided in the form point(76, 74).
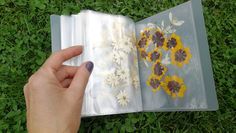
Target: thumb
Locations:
point(80, 80)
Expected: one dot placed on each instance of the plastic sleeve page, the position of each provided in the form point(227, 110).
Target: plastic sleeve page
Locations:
point(169, 62)
point(55, 32)
point(204, 55)
point(114, 87)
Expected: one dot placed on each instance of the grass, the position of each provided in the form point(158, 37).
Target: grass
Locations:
point(25, 44)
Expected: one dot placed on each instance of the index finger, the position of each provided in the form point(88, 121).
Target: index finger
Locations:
point(56, 59)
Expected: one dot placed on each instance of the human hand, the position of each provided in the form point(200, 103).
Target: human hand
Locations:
point(54, 94)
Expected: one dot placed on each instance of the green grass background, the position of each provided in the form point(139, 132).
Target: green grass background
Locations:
point(25, 44)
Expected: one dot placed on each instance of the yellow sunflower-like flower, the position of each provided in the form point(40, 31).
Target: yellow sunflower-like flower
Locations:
point(158, 39)
point(159, 70)
point(180, 56)
point(143, 53)
point(174, 86)
point(154, 82)
point(154, 55)
point(174, 41)
point(143, 42)
point(146, 32)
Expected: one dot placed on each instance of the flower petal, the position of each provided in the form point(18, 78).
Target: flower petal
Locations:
point(178, 23)
point(170, 17)
point(162, 24)
point(166, 60)
point(159, 28)
point(151, 25)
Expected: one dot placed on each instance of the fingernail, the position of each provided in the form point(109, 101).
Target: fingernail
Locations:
point(89, 66)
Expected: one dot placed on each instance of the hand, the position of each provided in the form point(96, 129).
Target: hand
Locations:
point(54, 94)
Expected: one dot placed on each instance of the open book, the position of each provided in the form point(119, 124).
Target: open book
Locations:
point(161, 63)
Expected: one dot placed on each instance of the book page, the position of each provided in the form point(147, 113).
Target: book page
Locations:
point(169, 61)
point(109, 42)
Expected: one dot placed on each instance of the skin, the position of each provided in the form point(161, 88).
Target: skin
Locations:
point(54, 94)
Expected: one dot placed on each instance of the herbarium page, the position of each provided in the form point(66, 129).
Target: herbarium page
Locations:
point(114, 86)
point(169, 63)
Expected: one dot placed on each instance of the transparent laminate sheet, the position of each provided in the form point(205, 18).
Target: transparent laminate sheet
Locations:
point(174, 61)
point(109, 42)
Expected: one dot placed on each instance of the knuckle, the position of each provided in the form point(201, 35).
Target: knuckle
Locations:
point(33, 81)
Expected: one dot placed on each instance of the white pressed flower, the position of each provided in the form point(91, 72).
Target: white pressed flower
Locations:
point(174, 21)
point(124, 44)
point(192, 104)
point(166, 60)
point(123, 73)
point(168, 30)
point(118, 57)
point(151, 25)
point(162, 27)
point(135, 82)
point(117, 44)
point(123, 98)
point(135, 79)
point(112, 80)
point(127, 41)
point(172, 31)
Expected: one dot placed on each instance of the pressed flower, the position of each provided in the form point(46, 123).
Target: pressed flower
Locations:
point(151, 25)
point(158, 38)
point(173, 42)
point(159, 70)
point(180, 56)
point(154, 55)
point(143, 53)
point(135, 82)
point(174, 86)
point(166, 30)
point(123, 98)
point(146, 33)
point(123, 73)
point(162, 27)
point(143, 42)
point(112, 80)
point(174, 21)
point(135, 78)
point(154, 82)
point(124, 44)
point(118, 56)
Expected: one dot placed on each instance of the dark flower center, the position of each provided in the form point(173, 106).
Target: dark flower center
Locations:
point(124, 97)
point(144, 54)
point(142, 42)
point(180, 55)
point(158, 39)
point(173, 86)
point(158, 69)
point(171, 43)
point(155, 55)
point(154, 83)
